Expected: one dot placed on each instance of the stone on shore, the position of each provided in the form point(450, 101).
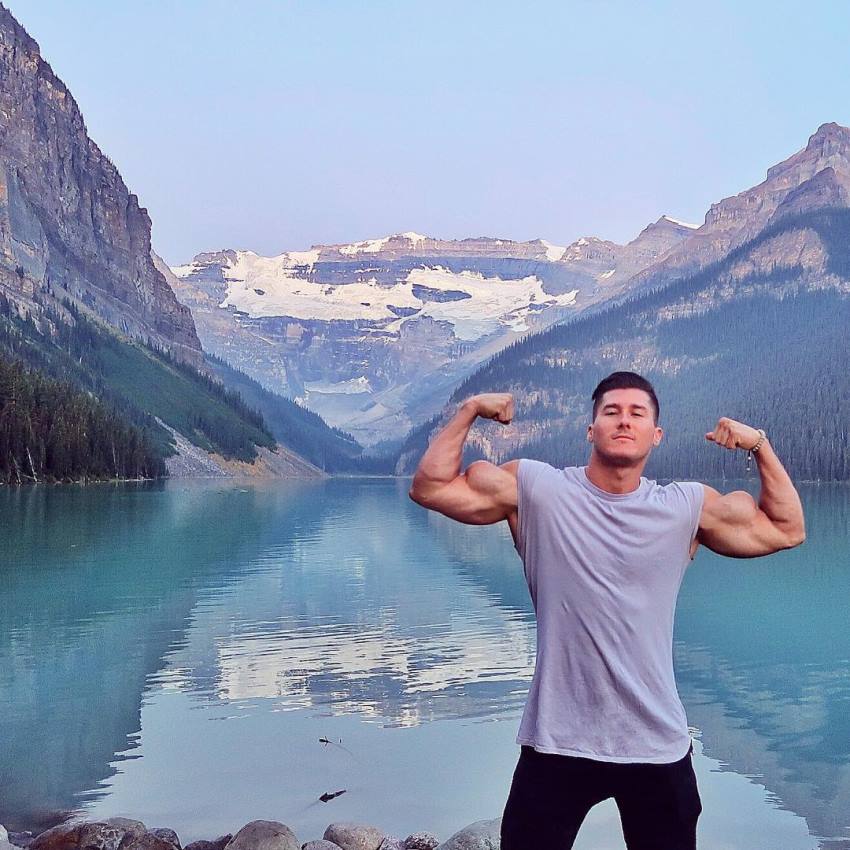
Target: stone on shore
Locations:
point(391, 842)
point(145, 841)
point(354, 836)
point(168, 835)
point(217, 844)
point(321, 844)
point(264, 835)
point(99, 835)
point(481, 835)
point(421, 841)
point(65, 836)
point(5, 843)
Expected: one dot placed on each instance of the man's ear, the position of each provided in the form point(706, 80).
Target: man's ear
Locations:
point(590, 433)
point(659, 435)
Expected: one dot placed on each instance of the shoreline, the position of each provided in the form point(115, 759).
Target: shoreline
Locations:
point(127, 834)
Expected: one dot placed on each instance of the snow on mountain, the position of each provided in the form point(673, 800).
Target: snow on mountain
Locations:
point(681, 223)
point(474, 305)
point(553, 252)
point(373, 246)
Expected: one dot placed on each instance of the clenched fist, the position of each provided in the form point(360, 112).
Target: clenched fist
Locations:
point(733, 435)
point(498, 406)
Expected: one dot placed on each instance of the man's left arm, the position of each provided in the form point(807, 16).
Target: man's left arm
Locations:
point(733, 524)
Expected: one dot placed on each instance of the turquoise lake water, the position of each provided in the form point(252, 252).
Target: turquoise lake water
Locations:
point(175, 652)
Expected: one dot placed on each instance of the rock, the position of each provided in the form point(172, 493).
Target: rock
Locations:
point(65, 836)
point(391, 842)
point(321, 844)
point(134, 827)
point(264, 835)
point(168, 835)
point(481, 835)
point(421, 841)
point(146, 841)
point(217, 844)
point(354, 836)
point(4, 835)
point(21, 839)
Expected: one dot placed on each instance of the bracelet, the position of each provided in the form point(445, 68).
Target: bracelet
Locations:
point(755, 448)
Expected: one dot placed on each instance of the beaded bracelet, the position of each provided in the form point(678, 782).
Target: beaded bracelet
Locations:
point(755, 448)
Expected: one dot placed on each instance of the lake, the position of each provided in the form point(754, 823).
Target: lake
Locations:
point(199, 655)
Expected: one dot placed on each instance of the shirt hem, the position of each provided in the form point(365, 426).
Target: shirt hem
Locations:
point(565, 751)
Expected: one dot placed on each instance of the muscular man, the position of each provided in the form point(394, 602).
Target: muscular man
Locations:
point(604, 552)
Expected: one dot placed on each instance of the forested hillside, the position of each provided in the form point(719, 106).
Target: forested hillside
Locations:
point(99, 381)
point(301, 430)
point(761, 341)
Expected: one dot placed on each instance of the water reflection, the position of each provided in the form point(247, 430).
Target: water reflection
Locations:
point(763, 663)
point(344, 600)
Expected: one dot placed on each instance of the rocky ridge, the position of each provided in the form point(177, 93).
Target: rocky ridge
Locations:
point(814, 178)
point(69, 227)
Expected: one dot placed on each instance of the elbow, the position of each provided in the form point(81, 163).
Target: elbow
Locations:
point(796, 539)
point(418, 493)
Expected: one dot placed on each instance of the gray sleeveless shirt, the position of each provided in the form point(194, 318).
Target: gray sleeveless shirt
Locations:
point(604, 571)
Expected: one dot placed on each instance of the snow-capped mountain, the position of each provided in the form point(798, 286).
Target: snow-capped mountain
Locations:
point(374, 334)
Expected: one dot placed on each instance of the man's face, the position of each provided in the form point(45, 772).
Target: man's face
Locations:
point(623, 432)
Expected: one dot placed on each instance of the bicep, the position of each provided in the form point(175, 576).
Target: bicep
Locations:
point(734, 525)
point(483, 494)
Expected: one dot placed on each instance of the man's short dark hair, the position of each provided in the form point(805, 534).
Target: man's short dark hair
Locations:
point(625, 381)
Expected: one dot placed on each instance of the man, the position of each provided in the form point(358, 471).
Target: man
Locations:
point(604, 552)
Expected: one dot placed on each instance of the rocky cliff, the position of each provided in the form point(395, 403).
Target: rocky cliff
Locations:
point(69, 227)
point(813, 178)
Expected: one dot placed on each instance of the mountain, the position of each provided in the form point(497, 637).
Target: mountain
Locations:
point(813, 178)
point(760, 336)
point(101, 370)
point(375, 334)
point(69, 227)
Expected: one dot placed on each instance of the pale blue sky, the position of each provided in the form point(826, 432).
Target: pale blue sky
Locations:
point(277, 125)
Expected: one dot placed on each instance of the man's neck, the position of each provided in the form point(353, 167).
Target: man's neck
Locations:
point(613, 479)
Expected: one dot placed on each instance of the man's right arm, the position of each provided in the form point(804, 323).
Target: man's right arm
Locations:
point(484, 493)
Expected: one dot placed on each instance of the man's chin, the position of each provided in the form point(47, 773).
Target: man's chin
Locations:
point(622, 459)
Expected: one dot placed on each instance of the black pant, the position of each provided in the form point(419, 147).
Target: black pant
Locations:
point(550, 795)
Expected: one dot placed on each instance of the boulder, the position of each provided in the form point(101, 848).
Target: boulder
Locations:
point(421, 841)
point(354, 836)
point(321, 844)
point(168, 835)
point(391, 842)
point(146, 841)
point(216, 844)
point(131, 827)
point(264, 835)
point(65, 836)
point(481, 835)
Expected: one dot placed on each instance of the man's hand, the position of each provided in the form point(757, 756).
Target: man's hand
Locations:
point(498, 406)
point(733, 435)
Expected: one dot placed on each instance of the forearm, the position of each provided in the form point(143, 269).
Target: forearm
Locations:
point(441, 463)
point(779, 499)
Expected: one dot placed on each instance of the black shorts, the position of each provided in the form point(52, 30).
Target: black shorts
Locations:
point(551, 795)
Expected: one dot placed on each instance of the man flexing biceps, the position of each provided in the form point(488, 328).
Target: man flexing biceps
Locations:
point(604, 551)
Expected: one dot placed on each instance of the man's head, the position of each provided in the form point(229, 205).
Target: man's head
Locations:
point(625, 419)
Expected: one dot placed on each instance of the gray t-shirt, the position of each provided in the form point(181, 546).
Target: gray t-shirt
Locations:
point(604, 572)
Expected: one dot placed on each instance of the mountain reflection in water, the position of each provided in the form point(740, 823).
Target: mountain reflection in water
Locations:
point(277, 604)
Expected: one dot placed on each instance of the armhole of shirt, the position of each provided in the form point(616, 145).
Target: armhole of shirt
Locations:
point(696, 499)
point(528, 474)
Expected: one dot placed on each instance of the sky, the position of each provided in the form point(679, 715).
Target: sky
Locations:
point(274, 126)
